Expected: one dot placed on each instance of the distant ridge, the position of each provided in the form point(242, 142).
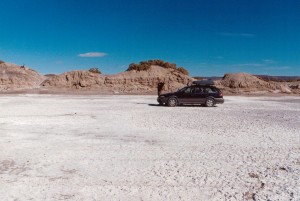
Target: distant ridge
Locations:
point(139, 79)
point(279, 78)
point(264, 77)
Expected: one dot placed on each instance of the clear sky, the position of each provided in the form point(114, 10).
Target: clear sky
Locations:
point(208, 37)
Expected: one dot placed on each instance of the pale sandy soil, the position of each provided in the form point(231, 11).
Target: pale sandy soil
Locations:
point(126, 148)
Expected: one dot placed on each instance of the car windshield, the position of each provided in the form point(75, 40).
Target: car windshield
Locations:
point(182, 90)
point(185, 90)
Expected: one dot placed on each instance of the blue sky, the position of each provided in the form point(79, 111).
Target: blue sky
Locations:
point(208, 37)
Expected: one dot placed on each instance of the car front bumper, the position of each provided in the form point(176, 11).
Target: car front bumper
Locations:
point(162, 99)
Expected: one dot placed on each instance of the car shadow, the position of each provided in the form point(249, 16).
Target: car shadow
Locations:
point(157, 105)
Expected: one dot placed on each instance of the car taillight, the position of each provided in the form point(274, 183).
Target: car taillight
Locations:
point(220, 93)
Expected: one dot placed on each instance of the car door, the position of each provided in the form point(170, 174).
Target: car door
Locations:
point(198, 94)
point(185, 95)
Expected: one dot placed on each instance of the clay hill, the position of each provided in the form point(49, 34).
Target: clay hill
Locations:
point(13, 77)
point(133, 81)
point(138, 79)
point(245, 83)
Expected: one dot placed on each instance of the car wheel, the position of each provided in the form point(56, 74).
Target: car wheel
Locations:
point(172, 102)
point(210, 102)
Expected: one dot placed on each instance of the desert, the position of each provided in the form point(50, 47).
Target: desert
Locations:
point(84, 135)
point(161, 100)
point(126, 147)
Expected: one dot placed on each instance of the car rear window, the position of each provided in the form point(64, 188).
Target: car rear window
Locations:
point(211, 90)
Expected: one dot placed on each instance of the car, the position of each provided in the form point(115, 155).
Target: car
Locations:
point(200, 92)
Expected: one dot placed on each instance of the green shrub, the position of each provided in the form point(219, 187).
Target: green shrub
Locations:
point(167, 65)
point(183, 70)
point(145, 65)
point(159, 63)
point(173, 66)
point(94, 70)
point(132, 66)
point(142, 66)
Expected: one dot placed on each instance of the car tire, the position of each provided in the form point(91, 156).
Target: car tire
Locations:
point(160, 103)
point(210, 102)
point(172, 102)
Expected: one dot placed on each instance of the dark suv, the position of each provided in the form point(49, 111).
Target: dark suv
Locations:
point(207, 95)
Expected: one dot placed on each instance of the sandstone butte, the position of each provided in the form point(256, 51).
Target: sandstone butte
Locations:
point(17, 78)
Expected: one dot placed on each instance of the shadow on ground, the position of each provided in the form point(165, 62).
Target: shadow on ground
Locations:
point(157, 105)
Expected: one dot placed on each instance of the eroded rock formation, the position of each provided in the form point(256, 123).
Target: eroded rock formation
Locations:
point(125, 82)
point(14, 77)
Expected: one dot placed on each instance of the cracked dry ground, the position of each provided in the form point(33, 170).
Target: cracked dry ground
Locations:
point(127, 148)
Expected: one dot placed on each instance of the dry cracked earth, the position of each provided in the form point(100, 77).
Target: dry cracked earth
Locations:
point(127, 148)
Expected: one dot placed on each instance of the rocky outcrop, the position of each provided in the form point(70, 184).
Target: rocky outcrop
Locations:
point(146, 81)
point(243, 82)
point(14, 77)
point(75, 79)
point(294, 87)
point(126, 82)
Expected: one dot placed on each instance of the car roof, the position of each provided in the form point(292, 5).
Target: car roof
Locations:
point(211, 86)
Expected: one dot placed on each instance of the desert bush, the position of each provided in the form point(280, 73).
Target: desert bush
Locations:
point(1, 62)
point(132, 66)
point(183, 71)
point(94, 70)
point(167, 65)
point(170, 65)
point(152, 62)
point(145, 65)
point(225, 75)
point(173, 66)
point(142, 66)
point(160, 63)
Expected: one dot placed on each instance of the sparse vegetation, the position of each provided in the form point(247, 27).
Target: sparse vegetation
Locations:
point(225, 75)
point(139, 67)
point(1, 62)
point(145, 65)
point(94, 70)
point(183, 70)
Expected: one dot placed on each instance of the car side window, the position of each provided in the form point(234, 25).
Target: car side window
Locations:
point(197, 90)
